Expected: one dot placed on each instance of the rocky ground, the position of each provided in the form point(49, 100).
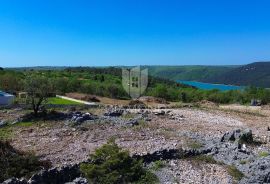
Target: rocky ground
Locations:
point(192, 131)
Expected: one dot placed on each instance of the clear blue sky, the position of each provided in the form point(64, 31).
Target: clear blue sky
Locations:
point(133, 32)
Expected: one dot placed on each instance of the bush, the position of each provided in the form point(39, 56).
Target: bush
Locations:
point(263, 154)
point(159, 164)
point(234, 172)
point(111, 165)
point(17, 164)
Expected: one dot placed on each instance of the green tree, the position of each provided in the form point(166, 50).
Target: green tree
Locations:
point(102, 78)
point(161, 91)
point(61, 85)
point(38, 89)
point(183, 97)
point(10, 82)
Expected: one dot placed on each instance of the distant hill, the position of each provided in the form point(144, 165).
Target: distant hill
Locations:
point(196, 73)
point(255, 74)
point(36, 68)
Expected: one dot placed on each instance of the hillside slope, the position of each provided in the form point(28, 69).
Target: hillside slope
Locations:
point(255, 74)
point(196, 73)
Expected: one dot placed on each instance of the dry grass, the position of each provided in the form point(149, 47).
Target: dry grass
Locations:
point(111, 101)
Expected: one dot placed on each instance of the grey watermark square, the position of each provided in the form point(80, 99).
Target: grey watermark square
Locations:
point(135, 81)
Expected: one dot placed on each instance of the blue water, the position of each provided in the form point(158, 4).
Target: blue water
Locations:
point(209, 86)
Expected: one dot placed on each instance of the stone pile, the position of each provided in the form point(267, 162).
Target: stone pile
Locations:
point(78, 118)
point(65, 174)
point(173, 116)
point(114, 112)
point(235, 149)
point(239, 136)
point(159, 112)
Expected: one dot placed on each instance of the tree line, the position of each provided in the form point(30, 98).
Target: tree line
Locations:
point(107, 82)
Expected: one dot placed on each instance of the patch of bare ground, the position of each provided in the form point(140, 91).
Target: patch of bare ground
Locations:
point(62, 144)
point(256, 118)
point(184, 171)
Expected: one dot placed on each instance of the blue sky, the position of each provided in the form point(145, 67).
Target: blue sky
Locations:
point(133, 32)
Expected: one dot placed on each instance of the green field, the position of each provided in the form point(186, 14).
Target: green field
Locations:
point(60, 101)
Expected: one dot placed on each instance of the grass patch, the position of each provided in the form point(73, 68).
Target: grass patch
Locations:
point(234, 172)
point(263, 154)
point(60, 101)
point(157, 165)
point(128, 116)
point(243, 162)
point(142, 124)
point(6, 133)
point(194, 144)
point(24, 124)
point(208, 159)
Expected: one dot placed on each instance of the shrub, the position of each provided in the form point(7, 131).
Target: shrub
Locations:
point(17, 164)
point(234, 172)
point(203, 159)
point(158, 165)
point(112, 165)
point(263, 154)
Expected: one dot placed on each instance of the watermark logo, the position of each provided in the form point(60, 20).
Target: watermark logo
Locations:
point(135, 81)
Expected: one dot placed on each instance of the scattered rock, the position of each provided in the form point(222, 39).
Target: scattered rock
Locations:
point(56, 175)
point(132, 122)
point(16, 121)
point(53, 176)
point(114, 113)
point(15, 181)
point(239, 136)
point(159, 112)
point(79, 180)
point(246, 136)
point(2, 123)
point(78, 118)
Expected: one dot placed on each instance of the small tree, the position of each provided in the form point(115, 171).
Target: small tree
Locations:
point(102, 79)
point(161, 91)
point(112, 165)
point(10, 82)
point(38, 89)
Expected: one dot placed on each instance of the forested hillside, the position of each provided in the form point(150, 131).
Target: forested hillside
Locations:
point(193, 73)
point(254, 74)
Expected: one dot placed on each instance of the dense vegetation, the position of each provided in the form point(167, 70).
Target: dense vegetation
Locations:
point(17, 164)
point(193, 73)
point(107, 82)
point(97, 81)
point(234, 96)
point(255, 74)
point(112, 165)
